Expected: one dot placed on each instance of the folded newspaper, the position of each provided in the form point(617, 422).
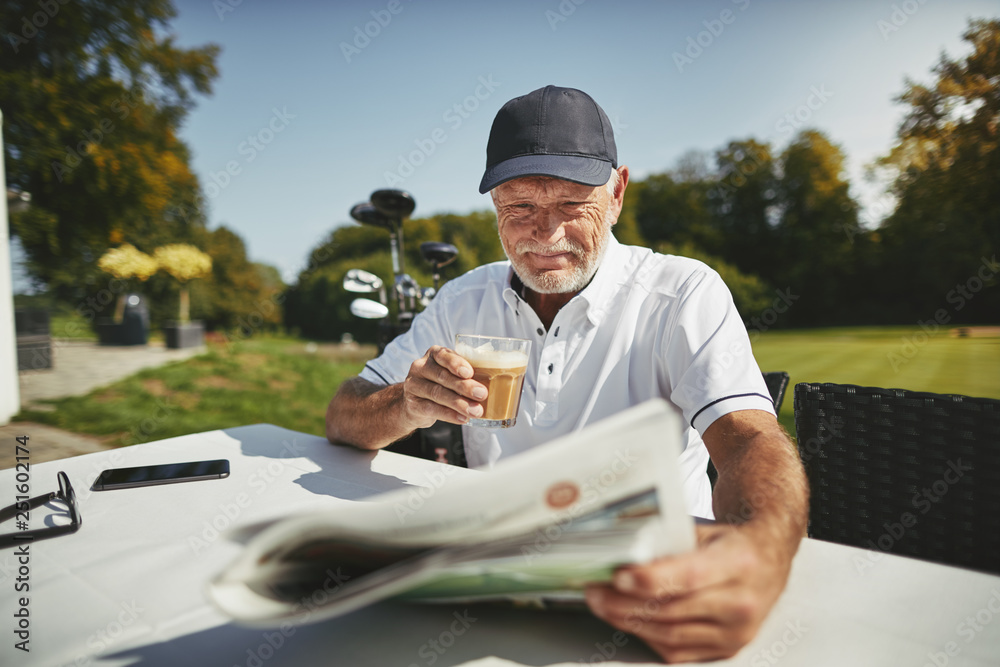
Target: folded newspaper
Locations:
point(537, 527)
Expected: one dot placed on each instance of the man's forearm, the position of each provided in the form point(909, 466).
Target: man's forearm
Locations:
point(366, 415)
point(762, 485)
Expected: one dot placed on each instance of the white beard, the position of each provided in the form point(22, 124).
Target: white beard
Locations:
point(560, 282)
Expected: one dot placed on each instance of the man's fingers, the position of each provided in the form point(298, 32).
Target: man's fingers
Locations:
point(452, 362)
point(721, 605)
point(687, 654)
point(702, 626)
point(446, 368)
point(420, 389)
point(716, 562)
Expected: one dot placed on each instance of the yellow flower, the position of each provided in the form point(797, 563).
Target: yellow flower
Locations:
point(126, 261)
point(183, 261)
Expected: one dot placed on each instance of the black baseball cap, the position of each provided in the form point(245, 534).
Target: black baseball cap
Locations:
point(552, 131)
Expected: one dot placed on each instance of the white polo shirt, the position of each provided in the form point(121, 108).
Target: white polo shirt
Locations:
point(647, 325)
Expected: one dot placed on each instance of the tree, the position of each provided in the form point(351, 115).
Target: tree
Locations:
point(239, 297)
point(817, 221)
point(184, 263)
point(940, 241)
point(126, 262)
point(93, 93)
point(745, 206)
point(666, 207)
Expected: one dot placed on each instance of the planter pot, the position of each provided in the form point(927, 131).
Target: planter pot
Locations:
point(179, 335)
point(131, 331)
point(34, 344)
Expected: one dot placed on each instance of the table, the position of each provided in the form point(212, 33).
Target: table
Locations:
point(128, 587)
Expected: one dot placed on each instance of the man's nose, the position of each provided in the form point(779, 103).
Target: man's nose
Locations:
point(548, 226)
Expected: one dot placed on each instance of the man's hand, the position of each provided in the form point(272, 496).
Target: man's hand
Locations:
point(704, 605)
point(709, 603)
point(439, 386)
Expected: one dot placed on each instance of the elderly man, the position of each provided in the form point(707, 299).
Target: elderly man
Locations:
point(612, 326)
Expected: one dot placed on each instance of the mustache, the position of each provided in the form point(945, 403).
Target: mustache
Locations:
point(562, 245)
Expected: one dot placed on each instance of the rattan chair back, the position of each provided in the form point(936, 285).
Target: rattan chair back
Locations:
point(903, 472)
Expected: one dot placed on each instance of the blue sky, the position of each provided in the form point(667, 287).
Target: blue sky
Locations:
point(318, 101)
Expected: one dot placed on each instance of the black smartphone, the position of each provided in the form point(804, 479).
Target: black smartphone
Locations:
point(167, 473)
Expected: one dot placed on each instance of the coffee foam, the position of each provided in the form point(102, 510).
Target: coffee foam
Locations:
point(485, 356)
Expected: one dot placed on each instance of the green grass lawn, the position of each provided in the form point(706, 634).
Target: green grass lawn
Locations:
point(899, 357)
point(280, 381)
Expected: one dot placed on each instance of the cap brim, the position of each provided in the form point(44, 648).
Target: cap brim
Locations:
point(582, 170)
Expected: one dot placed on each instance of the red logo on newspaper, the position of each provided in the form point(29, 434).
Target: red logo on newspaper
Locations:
point(562, 494)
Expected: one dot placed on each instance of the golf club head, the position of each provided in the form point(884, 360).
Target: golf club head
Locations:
point(369, 310)
point(407, 286)
point(362, 282)
point(438, 254)
point(367, 214)
point(426, 296)
point(394, 204)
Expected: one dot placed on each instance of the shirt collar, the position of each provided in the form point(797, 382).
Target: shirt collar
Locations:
point(513, 290)
point(606, 282)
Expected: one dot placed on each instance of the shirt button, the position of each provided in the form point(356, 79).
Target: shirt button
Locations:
point(541, 331)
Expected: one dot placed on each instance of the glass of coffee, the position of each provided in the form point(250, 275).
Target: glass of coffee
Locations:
point(500, 364)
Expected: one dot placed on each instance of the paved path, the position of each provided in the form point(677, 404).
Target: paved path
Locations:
point(77, 368)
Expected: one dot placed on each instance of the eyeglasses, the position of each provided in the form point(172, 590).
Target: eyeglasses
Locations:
point(21, 510)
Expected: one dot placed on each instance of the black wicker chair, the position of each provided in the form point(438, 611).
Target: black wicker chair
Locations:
point(904, 472)
point(777, 382)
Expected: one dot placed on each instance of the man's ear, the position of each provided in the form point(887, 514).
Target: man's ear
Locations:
point(619, 197)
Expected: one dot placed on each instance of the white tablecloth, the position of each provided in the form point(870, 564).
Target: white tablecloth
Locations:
point(128, 587)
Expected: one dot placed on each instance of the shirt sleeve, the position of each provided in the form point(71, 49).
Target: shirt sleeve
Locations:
point(708, 354)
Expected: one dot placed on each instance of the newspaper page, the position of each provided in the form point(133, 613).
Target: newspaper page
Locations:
point(546, 521)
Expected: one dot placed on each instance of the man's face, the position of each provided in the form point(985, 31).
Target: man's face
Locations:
point(553, 231)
